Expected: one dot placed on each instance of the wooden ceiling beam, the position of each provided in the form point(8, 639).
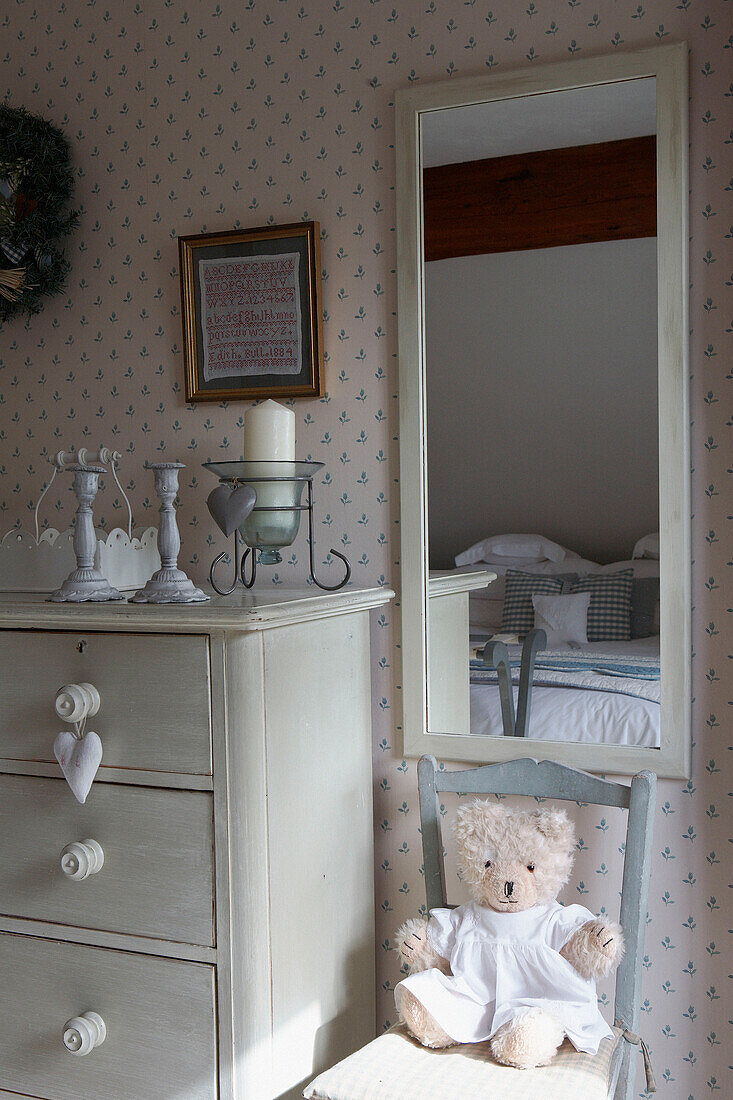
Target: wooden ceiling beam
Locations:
point(601, 192)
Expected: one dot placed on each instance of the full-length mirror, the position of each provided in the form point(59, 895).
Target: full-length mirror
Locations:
point(543, 396)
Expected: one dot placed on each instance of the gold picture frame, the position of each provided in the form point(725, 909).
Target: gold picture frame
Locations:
point(251, 298)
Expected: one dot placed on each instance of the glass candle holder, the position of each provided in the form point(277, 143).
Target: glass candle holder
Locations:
point(274, 521)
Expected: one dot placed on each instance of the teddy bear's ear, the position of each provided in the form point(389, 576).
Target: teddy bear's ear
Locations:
point(556, 826)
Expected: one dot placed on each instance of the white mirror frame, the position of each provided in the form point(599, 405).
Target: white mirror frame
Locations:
point(669, 64)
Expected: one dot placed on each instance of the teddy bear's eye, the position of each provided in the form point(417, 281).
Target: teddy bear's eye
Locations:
point(487, 864)
point(530, 866)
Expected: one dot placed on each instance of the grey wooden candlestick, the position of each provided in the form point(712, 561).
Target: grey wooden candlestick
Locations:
point(169, 584)
point(85, 582)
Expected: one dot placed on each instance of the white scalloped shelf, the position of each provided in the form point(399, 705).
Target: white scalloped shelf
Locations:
point(30, 566)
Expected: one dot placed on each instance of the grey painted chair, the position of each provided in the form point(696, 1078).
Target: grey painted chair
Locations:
point(545, 779)
point(496, 656)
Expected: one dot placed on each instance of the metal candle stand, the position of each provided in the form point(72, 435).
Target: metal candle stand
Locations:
point(169, 584)
point(240, 563)
point(85, 583)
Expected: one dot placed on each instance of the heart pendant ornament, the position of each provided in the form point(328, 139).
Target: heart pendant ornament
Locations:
point(229, 507)
point(79, 759)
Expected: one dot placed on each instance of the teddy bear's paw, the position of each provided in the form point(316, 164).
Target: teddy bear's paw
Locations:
point(412, 941)
point(420, 1024)
point(530, 1039)
point(595, 949)
point(608, 936)
point(415, 949)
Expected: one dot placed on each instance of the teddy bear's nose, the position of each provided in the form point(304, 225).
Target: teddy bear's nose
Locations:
point(508, 888)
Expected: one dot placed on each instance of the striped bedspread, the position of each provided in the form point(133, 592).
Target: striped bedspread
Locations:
point(637, 676)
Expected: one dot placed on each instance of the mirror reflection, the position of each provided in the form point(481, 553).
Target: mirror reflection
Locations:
point(540, 320)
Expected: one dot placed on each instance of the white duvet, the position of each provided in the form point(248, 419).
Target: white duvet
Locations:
point(571, 714)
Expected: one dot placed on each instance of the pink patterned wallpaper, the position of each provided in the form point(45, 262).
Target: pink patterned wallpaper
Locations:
point(185, 118)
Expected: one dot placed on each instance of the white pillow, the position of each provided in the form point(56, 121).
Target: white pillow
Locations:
point(504, 562)
point(643, 567)
point(563, 618)
point(496, 590)
point(648, 547)
point(485, 615)
point(529, 547)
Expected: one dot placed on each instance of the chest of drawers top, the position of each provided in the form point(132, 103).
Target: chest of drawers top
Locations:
point(242, 611)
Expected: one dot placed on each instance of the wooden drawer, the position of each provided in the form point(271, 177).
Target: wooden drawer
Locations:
point(155, 709)
point(159, 1013)
point(158, 873)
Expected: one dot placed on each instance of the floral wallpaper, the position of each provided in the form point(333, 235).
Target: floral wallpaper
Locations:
point(192, 117)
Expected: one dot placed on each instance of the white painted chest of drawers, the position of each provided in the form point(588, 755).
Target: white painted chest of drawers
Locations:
point(228, 940)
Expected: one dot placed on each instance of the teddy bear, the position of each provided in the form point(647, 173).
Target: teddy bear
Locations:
point(513, 965)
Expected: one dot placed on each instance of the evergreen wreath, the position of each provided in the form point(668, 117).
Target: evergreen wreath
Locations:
point(36, 185)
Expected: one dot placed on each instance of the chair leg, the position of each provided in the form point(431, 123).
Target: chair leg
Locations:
point(496, 656)
point(626, 1086)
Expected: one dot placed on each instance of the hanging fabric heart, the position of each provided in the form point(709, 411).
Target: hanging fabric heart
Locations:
point(14, 253)
point(79, 758)
point(229, 507)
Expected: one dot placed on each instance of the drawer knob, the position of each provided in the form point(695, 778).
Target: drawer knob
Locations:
point(82, 859)
point(74, 702)
point(84, 1033)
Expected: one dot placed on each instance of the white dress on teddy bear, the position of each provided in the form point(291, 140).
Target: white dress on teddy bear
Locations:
point(502, 963)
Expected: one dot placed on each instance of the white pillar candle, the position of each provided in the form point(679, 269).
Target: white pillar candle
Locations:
point(269, 436)
point(269, 433)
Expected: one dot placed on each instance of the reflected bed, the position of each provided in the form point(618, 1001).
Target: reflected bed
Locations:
point(565, 707)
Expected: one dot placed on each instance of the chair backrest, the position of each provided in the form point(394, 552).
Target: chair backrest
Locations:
point(546, 779)
point(496, 656)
